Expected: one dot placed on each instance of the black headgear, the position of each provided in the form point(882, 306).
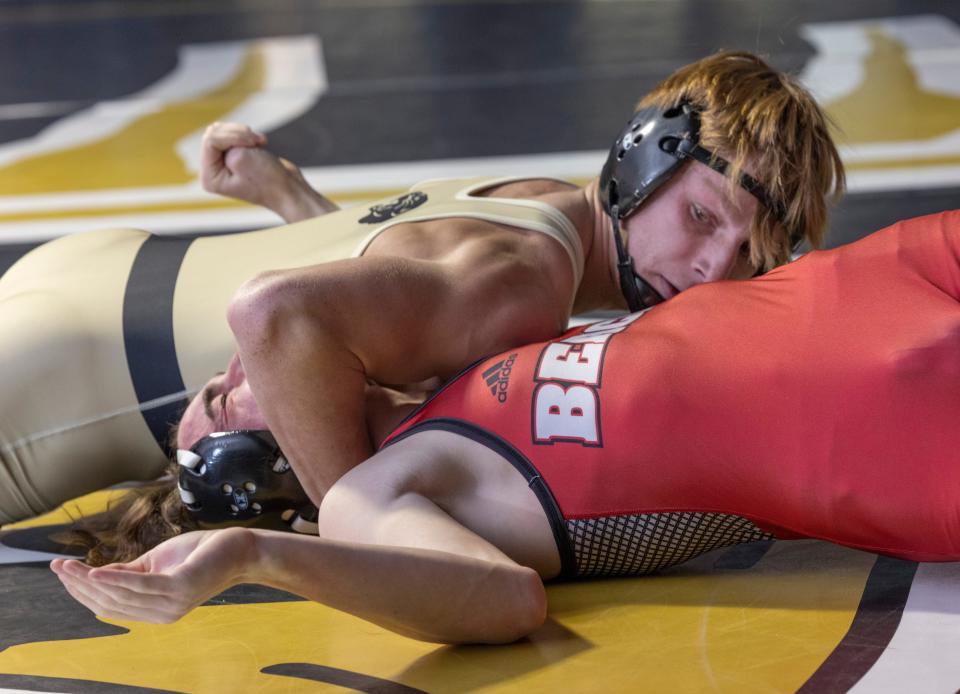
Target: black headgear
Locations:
point(648, 151)
point(238, 476)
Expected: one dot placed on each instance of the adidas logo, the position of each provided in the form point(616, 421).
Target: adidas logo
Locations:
point(497, 377)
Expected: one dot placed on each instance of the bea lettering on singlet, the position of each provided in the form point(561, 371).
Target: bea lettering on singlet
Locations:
point(566, 399)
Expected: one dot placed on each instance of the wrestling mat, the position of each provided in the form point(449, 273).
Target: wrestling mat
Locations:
point(768, 616)
point(114, 84)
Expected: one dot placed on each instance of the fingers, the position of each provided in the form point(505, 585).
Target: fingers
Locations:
point(218, 139)
point(63, 566)
point(223, 136)
point(246, 161)
point(105, 603)
point(132, 580)
point(108, 599)
point(254, 175)
point(159, 587)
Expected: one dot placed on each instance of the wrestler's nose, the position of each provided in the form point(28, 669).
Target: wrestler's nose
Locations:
point(716, 259)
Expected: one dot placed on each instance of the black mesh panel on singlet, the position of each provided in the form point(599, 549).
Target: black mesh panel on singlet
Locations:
point(639, 544)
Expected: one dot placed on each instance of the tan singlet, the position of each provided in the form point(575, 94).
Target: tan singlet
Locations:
point(107, 333)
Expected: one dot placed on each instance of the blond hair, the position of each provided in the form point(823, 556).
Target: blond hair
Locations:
point(764, 120)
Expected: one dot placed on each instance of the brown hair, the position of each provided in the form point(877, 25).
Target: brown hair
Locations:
point(142, 519)
point(763, 118)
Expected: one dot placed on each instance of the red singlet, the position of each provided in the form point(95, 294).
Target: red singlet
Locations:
point(820, 400)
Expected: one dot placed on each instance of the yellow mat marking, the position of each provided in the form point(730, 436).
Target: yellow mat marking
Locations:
point(763, 629)
point(77, 508)
point(890, 105)
point(141, 154)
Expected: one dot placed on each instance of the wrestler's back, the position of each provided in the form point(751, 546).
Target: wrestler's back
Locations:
point(820, 400)
point(826, 403)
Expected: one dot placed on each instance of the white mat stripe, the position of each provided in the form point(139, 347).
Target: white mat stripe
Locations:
point(922, 655)
point(367, 181)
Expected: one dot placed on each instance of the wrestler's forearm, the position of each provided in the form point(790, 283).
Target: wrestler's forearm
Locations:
point(311, 392)
point(426, 594)
point(310, 338)
point(302, 202)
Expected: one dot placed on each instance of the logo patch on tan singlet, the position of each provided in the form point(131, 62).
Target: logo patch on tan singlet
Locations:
point(389, 210)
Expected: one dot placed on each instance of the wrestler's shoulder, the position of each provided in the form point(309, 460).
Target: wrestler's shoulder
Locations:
point(934, 226)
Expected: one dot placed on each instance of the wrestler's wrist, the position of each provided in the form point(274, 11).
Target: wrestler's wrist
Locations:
point(261, 564)
point(245, 555)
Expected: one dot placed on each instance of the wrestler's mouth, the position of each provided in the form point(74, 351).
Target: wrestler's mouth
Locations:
point(671, 289)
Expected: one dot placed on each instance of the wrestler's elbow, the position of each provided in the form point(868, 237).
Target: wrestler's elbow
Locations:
point(528, 605)
point(260, 307)
point(518, 610)
point(511, 606)
point(249, 312)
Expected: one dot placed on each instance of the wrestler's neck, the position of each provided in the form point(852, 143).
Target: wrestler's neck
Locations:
point(600, 288)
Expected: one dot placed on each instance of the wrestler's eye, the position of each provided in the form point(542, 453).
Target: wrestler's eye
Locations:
point(700, 214)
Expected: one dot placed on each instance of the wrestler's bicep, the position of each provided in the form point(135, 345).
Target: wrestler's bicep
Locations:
point(404, 319)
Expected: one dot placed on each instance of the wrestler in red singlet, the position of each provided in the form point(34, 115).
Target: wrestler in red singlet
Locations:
point(820, 400)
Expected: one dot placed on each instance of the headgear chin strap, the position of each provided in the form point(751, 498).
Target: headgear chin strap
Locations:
point(639, 293)
point(242, 477)
point(648, 151)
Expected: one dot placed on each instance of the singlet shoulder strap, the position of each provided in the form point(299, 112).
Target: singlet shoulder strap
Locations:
point(456, 198)
point(538, 216)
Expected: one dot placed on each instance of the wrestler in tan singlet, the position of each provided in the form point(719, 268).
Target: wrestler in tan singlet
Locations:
point(109, 332)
